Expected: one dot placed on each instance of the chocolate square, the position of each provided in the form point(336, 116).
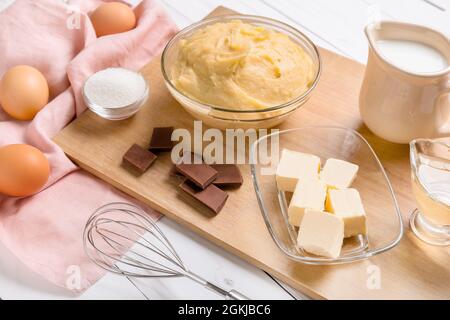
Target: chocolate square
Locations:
point(200, 174)
point(186, 158)
point(161, 139)
point(138, 158)
point(212, 197)
point(228, 175)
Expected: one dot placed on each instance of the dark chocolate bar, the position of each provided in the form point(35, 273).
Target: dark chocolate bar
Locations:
point(139, 158)
point(186, 158)
point(212, 197)
point(228, 175)
point(161, 139)
point(200, 174)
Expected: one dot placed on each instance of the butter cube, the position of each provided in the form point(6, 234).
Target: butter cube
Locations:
point(338, 174)
point(308, 194)
point(296, 166)
point(321, 234)
point(347, 205)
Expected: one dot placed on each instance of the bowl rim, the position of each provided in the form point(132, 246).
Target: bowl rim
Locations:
point(320, 260)
point(242, 16)
point(255, 120)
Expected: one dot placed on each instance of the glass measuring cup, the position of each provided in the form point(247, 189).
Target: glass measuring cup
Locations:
point(430, 173)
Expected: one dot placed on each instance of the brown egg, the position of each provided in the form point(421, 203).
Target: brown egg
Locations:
point(23, 92)
point(113, 17)
point(24, 170)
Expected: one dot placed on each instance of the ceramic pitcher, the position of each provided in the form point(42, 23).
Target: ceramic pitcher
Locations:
point(399, 105)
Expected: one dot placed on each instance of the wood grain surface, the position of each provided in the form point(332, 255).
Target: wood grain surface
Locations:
point(412, 270)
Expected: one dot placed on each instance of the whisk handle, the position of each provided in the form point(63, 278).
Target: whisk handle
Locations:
point(229, 295)
point(235, 295)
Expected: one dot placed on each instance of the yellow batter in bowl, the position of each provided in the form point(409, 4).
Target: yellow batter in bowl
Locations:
point(239, 66)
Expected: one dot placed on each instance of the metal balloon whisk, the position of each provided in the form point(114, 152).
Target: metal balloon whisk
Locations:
point(122, 238)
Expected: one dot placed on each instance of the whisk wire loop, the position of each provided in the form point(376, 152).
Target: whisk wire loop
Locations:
point(122, 238)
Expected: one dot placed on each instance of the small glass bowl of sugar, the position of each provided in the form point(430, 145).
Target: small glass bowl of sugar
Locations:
point(115, 93)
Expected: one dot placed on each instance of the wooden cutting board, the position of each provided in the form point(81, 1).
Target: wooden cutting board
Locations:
point(412, 270)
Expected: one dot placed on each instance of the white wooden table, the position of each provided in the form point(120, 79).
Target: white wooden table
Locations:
point(335, 25)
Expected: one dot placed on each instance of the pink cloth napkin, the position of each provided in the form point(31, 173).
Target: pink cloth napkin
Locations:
point(45, 230)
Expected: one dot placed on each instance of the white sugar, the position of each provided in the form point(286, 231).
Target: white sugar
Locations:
point(114, 88)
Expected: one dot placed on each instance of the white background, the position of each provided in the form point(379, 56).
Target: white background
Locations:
point(335, 25)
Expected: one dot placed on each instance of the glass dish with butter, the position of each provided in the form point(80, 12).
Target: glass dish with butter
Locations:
point(240, 71)
point(324, 195)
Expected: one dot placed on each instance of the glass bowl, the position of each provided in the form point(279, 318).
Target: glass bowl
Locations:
point(117, 113)
point(384, 223)
point(221, 118)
